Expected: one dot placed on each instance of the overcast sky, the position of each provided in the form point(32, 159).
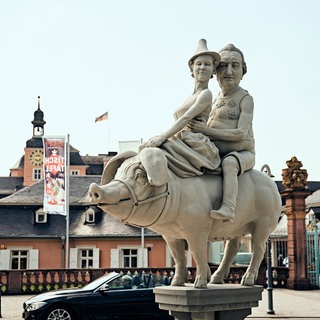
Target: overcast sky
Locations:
point(130, 58)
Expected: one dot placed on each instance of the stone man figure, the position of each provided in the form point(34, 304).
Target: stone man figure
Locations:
point(230, 127)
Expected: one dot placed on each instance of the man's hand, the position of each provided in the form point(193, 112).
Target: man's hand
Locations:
point(198, 126)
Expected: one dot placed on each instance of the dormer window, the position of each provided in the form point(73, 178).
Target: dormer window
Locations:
point(41, 216)
point(90, 216)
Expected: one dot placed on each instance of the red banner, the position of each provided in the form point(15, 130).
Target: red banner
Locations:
point(55, 170)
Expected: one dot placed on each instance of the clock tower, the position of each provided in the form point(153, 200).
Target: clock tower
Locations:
point(33, 152)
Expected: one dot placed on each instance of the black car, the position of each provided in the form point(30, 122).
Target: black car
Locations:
point(113, 296)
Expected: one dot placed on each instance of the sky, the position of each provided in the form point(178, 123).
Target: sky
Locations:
point(129, 58)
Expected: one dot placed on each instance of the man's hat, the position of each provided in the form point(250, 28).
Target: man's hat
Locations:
point(202, 49)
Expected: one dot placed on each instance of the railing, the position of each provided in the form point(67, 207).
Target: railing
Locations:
point(280, 277)
point(37, 281)
point(313, 253)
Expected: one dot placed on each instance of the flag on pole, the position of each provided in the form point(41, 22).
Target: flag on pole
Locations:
point(54, 168)
point(102, 117)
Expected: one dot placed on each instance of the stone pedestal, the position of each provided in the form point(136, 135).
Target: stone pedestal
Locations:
point(217, 302)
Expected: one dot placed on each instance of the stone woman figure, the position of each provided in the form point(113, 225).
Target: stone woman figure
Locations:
point(188, 153)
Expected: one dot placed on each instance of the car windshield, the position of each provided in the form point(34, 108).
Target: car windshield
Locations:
point(98, 282)
point(117, 281)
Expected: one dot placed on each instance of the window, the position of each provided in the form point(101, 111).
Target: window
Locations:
point(84, 257)
point(41, 216)
point(90, 215)
point(19, 259)
point(129, 258)
point(74, 172)
point(37, 173)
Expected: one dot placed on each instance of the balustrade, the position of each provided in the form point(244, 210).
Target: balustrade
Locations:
point(37, 281)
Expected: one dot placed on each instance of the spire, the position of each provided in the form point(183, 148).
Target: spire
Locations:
point(38, 121)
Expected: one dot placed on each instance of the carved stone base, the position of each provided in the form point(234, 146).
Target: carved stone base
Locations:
point(217, 302)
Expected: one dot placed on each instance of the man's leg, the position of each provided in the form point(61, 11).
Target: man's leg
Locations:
point(230, 168)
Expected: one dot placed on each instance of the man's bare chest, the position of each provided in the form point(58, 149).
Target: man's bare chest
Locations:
point(226, 109)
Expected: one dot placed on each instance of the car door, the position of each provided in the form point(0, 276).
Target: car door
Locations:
point(121, 304)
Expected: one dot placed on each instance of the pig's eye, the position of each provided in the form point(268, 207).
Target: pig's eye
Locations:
point(141, 176)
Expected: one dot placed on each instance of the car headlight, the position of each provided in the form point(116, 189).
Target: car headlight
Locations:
point(35, 306)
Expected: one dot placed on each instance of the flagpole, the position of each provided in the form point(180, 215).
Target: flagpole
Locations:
point(142, 247)
point(67, 180)
point(108, 139)
point(105, 116)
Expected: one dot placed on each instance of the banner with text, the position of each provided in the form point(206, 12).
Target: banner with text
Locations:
point(55, 170)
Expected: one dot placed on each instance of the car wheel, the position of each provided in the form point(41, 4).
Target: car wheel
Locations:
point(57, 313)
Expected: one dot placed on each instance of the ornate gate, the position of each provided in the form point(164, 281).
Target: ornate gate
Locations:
point(313, 253)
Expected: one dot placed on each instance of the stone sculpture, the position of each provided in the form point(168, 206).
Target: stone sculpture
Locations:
point(294, 176)
point(139, 189)
point(167, 188)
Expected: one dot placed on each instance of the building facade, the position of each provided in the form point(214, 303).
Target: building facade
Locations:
point(31, 238)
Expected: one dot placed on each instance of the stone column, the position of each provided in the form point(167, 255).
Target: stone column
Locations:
point(295, 193)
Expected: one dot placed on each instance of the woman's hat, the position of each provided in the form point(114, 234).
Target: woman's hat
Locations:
point(202, 49)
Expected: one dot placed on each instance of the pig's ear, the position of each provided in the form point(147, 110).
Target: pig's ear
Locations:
point(112, 166)
point(156, 166)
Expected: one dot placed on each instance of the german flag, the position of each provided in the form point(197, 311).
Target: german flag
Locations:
point(104, 116)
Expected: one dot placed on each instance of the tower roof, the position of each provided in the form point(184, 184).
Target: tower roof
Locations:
point(38, 116)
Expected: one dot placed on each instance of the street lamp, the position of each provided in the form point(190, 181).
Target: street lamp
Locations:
point(270, 279)
point(266, 169)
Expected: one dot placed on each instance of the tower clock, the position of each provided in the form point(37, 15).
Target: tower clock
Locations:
point(36, 157)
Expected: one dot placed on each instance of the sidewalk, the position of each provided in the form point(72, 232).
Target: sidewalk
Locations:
point(287, 304)
point(11, 307)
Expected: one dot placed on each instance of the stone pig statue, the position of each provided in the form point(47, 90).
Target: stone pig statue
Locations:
point(139, 189)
